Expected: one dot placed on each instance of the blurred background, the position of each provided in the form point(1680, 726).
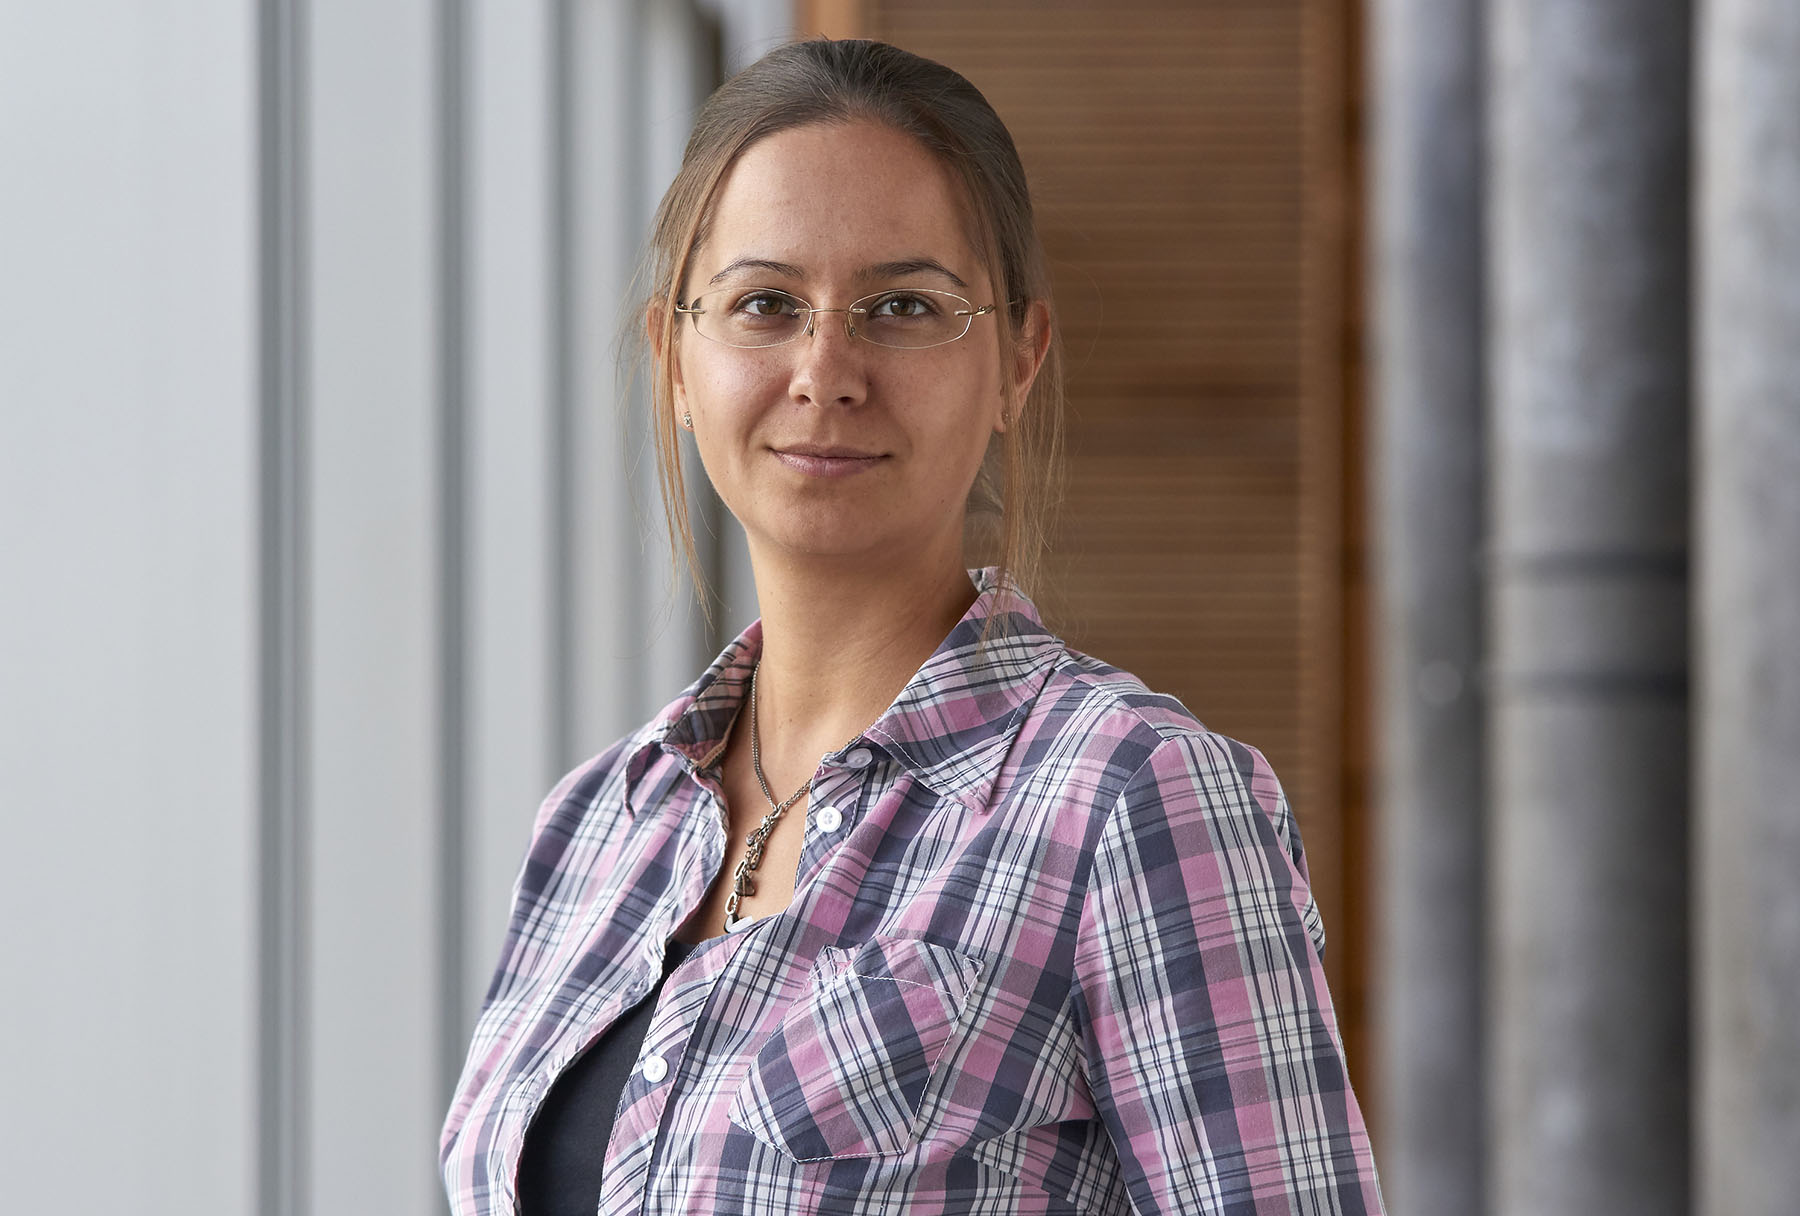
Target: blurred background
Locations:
point(1434, 426)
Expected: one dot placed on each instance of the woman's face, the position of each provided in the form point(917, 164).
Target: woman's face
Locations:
point(829, 446)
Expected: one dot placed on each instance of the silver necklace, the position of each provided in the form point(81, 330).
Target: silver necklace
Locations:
point(741, 882)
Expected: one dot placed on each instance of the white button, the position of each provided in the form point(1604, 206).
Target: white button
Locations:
point(829, 819)
point(655, 1069)
point(859, 757)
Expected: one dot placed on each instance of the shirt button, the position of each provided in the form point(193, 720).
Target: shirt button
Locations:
point(655, 1069)
point(828, 819)
point(859, 757)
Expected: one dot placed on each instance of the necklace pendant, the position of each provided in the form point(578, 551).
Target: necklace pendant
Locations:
point(743, 884)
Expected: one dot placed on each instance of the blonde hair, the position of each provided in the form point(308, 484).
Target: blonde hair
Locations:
point(855, 80)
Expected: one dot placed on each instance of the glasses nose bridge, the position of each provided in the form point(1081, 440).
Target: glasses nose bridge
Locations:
point(812, 315)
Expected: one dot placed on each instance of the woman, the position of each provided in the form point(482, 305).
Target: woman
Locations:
point(903, 905)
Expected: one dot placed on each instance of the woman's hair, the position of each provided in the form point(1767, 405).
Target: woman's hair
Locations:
point(855, 80)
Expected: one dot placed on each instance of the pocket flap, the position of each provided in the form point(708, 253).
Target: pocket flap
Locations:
point(845, 1073)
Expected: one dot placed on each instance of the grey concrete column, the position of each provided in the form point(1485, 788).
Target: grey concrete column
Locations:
point(1588, 260)
point(1426, 75)
point(1748, 792)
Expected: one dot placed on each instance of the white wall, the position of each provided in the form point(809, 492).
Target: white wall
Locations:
point(323, 557)
point(128, 623)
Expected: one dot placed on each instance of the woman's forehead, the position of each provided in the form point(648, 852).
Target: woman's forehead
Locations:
point(840, 202)
point(919, 267)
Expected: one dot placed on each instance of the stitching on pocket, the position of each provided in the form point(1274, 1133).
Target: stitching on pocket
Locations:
point(863, 975)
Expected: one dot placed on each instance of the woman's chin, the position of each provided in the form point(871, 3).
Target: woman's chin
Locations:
point(865, 540)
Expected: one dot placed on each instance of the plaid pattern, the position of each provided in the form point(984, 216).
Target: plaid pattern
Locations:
point(1058, 956)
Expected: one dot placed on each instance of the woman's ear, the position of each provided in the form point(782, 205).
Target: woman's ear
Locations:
point(1033, 343)
point(661, 340)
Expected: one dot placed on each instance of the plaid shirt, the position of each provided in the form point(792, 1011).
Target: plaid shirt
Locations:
point(1051, 950)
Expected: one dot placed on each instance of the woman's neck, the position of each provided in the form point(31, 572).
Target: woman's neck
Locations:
point(837, 649)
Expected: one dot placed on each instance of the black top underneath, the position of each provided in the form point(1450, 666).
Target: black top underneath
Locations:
point(565, 1144)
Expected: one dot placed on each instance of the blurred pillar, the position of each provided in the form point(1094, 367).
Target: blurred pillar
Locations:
point(1428, 389)
point(1588, 254)
point(1749, 609)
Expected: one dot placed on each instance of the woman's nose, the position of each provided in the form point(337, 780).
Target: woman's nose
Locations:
point(830, 366)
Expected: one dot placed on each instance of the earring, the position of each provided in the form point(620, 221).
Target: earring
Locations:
point(687, 420)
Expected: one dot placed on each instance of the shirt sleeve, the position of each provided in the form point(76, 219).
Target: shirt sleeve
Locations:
point(527, 938)
point(1212, 1052)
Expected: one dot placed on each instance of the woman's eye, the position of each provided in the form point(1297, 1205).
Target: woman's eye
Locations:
point(765, 304)
point(900, 307)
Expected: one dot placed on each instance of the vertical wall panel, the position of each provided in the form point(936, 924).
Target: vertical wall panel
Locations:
point(127, 625)
point(1429, 393)
point(283, 610)
point(511, 758)
point(1328, 413)
point(1747, 971)
point(376, 769)
point(606, 688)
point(1587, 604)
point(454, 315)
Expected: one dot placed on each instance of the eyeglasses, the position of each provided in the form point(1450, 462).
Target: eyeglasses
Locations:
point(909, 318)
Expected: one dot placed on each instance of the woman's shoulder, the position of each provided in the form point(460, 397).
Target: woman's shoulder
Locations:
point(1158, 760)
point(1078, 699)
point(607, 777)
point(592, 783)
point(1091, 708)
point(1084, 694)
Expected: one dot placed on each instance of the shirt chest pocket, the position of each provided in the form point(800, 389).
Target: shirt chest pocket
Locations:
point(846, 1072)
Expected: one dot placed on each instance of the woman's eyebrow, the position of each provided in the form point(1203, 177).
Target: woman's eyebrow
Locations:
point(878, 271)
point(906, 266)
point(785, 269)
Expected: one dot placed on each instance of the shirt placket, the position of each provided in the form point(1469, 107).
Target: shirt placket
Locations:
point(663, 1075)
point(839, 794)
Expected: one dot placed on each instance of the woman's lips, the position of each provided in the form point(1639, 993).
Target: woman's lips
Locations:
point(827, 462)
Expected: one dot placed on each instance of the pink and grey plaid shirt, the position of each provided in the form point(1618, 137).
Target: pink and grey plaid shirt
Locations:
point(1051, 950)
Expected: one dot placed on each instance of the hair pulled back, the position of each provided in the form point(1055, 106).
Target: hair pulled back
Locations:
point(856, 80)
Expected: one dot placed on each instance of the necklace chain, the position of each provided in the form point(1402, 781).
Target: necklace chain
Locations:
point(741, 882)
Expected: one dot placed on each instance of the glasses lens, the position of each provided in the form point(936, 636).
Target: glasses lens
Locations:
point(911, 317)
point(761, 317)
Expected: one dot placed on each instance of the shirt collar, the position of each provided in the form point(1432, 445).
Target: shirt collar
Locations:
point(950, 726)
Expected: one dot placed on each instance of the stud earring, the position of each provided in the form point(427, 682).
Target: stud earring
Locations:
point(687, 420)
